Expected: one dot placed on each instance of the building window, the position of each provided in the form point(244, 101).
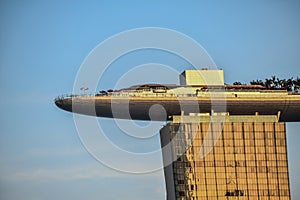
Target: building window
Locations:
point(181, 193)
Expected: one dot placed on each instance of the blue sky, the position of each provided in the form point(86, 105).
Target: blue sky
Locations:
point(43, 44)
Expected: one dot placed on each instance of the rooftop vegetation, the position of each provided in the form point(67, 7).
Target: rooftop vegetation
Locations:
point(274, 82)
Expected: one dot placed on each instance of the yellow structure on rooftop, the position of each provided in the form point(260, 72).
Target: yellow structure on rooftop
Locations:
point(202, 77)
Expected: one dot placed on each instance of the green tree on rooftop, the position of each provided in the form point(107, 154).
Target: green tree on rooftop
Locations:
point(296, 83)
point(274, 82)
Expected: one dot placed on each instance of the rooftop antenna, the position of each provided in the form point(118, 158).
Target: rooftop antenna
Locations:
point(84, 88)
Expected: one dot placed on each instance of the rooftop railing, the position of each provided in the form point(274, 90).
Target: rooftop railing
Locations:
point(170, 94)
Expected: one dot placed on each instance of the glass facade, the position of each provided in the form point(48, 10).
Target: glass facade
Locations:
point(233, 160)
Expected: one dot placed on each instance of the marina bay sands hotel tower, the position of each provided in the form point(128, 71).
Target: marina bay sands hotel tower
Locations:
point(220, 142)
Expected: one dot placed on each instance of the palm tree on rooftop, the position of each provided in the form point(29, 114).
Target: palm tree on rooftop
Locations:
point(290, 84)
point(282, 83)
point(273, 81)
point(268, 83)
point(296, 84)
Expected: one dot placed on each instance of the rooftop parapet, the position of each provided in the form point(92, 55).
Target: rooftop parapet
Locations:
point(223, 117)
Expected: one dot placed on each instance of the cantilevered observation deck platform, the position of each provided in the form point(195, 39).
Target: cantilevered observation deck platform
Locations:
point(200, 91)
point(236, 103)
